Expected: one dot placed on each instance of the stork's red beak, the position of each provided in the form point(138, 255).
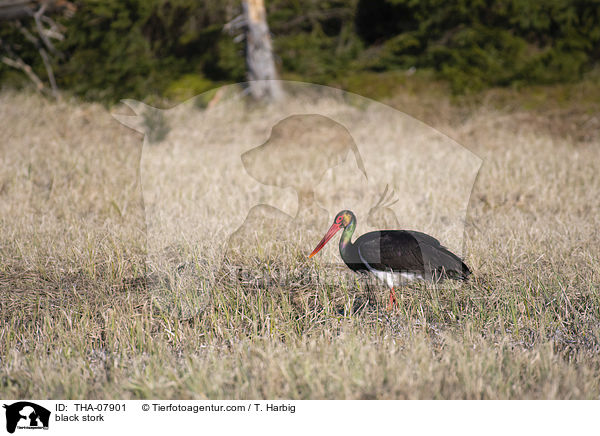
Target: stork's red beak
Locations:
point(332, 231)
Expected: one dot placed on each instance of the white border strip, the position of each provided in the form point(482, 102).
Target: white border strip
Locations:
point(279, 417)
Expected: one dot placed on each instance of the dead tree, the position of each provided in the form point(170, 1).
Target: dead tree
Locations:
point(262, 75)
point(32, 20)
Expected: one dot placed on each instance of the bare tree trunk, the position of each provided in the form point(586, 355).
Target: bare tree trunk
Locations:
point(259, 53)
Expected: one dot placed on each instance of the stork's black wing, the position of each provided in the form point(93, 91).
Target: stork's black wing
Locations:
point(409, 251)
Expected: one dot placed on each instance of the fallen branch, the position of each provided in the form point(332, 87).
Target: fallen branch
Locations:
point(45, 30)
point(43, 54)
point(41, 31)
point(19, 9)
point(19, 64)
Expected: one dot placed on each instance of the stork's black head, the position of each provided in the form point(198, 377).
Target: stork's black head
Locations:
point(341, 221)
point(344, 218)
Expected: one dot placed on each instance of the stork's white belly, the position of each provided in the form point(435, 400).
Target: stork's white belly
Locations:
point(395, 278)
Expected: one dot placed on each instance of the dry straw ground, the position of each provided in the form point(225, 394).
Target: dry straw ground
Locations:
point(81, 317)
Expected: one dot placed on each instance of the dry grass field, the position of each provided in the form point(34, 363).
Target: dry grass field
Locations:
point(83, 315)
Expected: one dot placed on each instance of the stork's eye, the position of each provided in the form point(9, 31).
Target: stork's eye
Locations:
point(339, 219)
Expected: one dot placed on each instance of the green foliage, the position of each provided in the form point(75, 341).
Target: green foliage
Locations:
point(477, 43)
point(107, 52)
point(315, 39)
point(188, 86)
point(174, 48)
point(136, 48)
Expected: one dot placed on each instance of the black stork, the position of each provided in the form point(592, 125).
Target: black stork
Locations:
point(394, 256)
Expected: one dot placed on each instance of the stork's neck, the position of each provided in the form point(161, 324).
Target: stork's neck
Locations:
point(346, 239)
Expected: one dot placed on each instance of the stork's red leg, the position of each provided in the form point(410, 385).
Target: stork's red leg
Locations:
point(393, 302)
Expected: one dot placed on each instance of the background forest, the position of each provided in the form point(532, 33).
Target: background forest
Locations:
point(177, 48)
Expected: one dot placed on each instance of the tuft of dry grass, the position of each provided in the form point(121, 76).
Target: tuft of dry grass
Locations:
point(84, 316)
